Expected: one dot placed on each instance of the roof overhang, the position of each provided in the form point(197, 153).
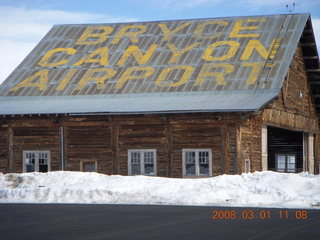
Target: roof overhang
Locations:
point(221, 101)
point(311, 59)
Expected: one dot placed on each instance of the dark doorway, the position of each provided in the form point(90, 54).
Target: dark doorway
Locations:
point(285, 150)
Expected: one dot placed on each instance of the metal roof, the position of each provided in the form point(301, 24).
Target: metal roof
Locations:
point(214, 64)
point(230, 101)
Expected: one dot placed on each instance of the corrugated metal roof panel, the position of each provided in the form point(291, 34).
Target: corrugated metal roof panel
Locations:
point(220, 101)
point(215, 56)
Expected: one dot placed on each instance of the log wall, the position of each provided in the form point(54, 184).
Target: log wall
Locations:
point(250, 143)
point(88, 143)
point(4, 147)
point(143, 137)
point(107, 139)
point(38, 138)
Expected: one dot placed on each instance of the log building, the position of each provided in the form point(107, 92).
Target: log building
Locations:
point(185, 98)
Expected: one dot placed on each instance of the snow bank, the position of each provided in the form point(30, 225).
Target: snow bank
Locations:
point(259, 189)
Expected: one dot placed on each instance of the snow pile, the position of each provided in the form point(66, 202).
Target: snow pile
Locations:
point(259, 189)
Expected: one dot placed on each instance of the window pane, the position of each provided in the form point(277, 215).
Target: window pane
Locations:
point(148, 157)
point(247, 165)
point(43, 158)
point(291, 163)
point(135, 157)
point(190, 169)
point(30, 162)
point(204, 157)
point(190, 158)
point(204, 169)
point(30, 168)
point(149, 169)
point(149, 163)
point(281, 163)
point(43, 168)
point(30, 158)
point(204, 162)
point(135, 169)
point(43, 162)
point(135, 163)
point(89, 167)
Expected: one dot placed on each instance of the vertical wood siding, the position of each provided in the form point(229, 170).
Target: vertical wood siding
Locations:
point(4, 145)
point(88, 143)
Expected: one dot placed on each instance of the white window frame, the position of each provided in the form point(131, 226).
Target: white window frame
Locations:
point(197, 165)
point(36, 152)
point(286, 163)
point(142, 151)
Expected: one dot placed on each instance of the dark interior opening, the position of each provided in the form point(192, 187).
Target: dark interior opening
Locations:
point(285, 150)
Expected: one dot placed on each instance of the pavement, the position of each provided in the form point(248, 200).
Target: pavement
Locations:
point(98, 221)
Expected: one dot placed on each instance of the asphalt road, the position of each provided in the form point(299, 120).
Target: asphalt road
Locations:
point(84, 222)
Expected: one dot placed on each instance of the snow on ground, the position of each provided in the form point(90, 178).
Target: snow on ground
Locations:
point(259, 189)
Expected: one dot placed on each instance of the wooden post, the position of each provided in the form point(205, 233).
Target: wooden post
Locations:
point(226, 150)
point(316, 154)
point(251, 144)
point(10, 147)
point(305, 151)
point(115, 148)
point(169, 149)
point(264, 148)
point(311, 153)
point(62, 148)
point(66, 148)
point(239, 152)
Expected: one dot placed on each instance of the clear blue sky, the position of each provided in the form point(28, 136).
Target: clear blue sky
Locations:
point(24, 22)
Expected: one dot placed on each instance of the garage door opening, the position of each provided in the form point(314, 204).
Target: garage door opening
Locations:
point(285, 150)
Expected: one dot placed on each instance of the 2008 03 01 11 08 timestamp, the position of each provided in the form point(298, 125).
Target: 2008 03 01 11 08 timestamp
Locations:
point(259, 214)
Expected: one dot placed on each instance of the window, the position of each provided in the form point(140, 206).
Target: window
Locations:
point(36, 161)
point(285, 163)
point(88, 166)
point(197, 162)
point(247, 166)
point(142, 162)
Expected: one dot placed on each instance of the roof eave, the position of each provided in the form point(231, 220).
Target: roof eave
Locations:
point(311, 59)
